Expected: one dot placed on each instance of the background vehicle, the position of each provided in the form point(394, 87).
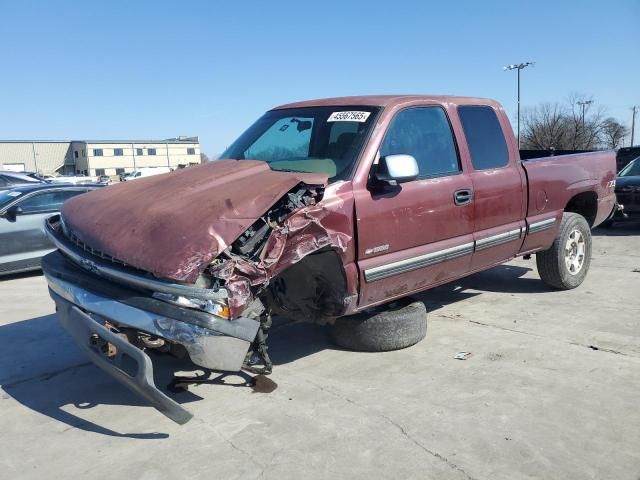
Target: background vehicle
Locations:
point(146, 172)
point(628, 193)
point(10, 180)
point(75, 179)
point(328, 211)
point(23, 211)
point(624, 155)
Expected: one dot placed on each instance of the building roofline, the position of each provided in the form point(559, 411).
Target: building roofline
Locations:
point(35, 141)
point(168, 140)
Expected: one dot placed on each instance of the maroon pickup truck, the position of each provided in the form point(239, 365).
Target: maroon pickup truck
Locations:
point(331, 211)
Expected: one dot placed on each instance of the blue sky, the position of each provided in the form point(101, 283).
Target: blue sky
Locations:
point(136, 69)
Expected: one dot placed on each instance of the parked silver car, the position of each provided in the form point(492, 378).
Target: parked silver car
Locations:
point(9, 180)
point(23, 211)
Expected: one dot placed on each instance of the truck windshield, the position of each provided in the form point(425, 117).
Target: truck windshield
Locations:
point(631, 170)
point(317, 139)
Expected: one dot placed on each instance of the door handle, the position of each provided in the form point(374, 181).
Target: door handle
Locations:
point(463, 197)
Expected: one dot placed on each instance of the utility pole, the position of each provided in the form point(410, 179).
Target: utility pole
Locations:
point(35, 160)
point(583, 104)
point(518, 67)
point(633, 123)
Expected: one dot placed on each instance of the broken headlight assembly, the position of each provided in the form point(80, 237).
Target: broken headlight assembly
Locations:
point(214, 307)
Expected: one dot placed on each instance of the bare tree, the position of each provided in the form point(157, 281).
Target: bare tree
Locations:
point(544, 127)
point(576, 125)
point(613, 132)
point(203, 158)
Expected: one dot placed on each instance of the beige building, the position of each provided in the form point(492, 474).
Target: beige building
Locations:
point(97, 157)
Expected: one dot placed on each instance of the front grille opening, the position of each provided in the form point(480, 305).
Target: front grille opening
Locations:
point(93, 251)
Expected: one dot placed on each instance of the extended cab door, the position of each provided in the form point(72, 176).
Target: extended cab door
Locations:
point(418, 233)
point(499, 185)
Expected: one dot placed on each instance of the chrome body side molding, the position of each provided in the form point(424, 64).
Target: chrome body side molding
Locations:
point(541, 225)
point(409, 264)
point(402, 266)
point(499, 239)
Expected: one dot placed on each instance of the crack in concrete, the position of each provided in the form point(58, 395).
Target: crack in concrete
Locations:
point(591, 347)
point(430, 452)
point(505, 328)
point(399, 427)
point(46, 376)
point(249, 456)
point(602, 349)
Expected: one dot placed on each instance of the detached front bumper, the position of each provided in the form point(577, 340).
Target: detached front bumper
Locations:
point(127, 364)
point(93, 309)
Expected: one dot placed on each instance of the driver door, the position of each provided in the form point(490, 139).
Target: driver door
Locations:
point(419, 233)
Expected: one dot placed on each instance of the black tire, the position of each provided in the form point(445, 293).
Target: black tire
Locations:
point(394, 326)
point(552, 263)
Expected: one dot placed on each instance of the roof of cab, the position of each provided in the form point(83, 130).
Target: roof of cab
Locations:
point(388, 101)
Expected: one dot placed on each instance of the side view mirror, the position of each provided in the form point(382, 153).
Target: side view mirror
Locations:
point(395, 169)
point(13, 212)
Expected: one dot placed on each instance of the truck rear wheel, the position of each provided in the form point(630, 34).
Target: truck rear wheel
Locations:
point(396, 325)
point(565, 264)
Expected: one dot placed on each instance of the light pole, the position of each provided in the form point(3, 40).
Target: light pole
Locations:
point(518, 67)
point(633, 123)
point(583, 104)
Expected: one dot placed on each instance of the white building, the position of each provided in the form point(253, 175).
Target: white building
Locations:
point(97, 157)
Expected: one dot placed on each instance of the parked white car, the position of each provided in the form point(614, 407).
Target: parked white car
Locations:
point(146, 172)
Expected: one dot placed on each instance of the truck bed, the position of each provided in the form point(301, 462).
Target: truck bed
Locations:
point(553, 182)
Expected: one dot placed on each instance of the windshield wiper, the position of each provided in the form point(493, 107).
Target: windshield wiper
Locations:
point(289, 170)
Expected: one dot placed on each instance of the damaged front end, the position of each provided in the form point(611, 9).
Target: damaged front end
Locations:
point(289, 232)
point(115, 311)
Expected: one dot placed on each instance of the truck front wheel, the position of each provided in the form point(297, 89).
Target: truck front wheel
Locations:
point(396, 325)
point(565, 264)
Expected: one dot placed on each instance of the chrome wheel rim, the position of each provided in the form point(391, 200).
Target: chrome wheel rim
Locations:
point(574, 252)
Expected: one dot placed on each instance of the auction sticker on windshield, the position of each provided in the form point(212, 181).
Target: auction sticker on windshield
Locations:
point(350, 116)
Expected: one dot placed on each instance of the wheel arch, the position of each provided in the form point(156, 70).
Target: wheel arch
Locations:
point(585, 204)
point(315, 289)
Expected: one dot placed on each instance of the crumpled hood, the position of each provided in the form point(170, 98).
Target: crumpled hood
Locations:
point(173, 225)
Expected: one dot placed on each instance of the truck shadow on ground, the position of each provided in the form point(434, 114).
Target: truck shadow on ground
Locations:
point(619, 229)
point(42, 369)
point(16, 276)
point(291, 341)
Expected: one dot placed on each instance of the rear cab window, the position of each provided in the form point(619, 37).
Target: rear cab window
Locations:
point(425, 134)
point(485, 137)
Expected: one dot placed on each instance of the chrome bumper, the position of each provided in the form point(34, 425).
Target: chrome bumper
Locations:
point(128, 364)
point(87, 296)
point(213, 348)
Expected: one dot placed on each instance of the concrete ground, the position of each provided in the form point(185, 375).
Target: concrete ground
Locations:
point(551, 391)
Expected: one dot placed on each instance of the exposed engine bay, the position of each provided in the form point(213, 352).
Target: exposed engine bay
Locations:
point(283, 263)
